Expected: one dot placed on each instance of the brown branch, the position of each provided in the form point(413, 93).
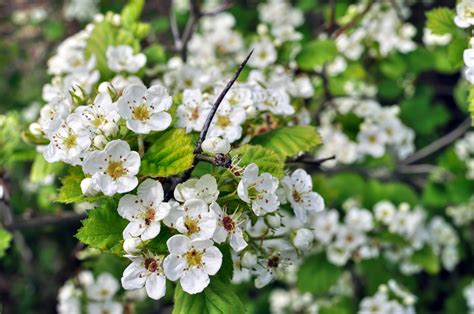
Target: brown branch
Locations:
point(354, 21)
point(439, 143)
point(332, 16)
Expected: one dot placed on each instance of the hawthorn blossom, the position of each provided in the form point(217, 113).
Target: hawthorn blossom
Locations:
point(271, 265)
point(275, 100)
point(215, 145)
point(109, 306)
point(113, 169)
point(145, 109)
point(372, 141)
point(197, 220)
point(258, 190)
point(192, 113)
point(264, 54)
point(121, 58)
point(228, 227)
point(144, 210)
point(203, 188)
point(192, 262)
point(298, 190)
point(103, 288)
point(102, 116)
point(53, 114)
point(227, 122)
point(69, 142)
point(145, 271)
point(464, 13)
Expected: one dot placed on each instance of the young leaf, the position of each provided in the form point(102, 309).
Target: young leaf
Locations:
point(70, 190)
point(289, 141)
point(218, 297)
point(441, 21)
point(267, 160)
point(170, 154)
point(427, 259)
point(5, 238)
point(317, 274)
point(316, 53)
point(103, 228)
point(131, 12)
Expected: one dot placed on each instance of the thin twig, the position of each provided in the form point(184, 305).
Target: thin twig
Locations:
point(439, 143)
point(217, 103)
point(354, 21)
point(191, 26)
point(175, 30)
point(332, 16)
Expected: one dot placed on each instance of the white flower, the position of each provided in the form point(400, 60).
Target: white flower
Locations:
point(192, 113)
point(337, 254)
point(113, 169)
point(359, 219)
point(264, 54)
point(53, 114)
point(145, 109)
point(464, 14)
point(228, 227)
point(227, 122)
point(198, 221)
point(298, 190)
point(69, 142)
point(259, 190)
point(349, 238)
point(384, 211)
point(110, 307)
point(378, 304)
point(371, 140)
point(104, 288)
point(326, 225)
point(204, 188)
point(431, 39)
point(192, 262)
point(215, 145)
point(102, 116)
point(239, 95)
point(269, 267)
point(145, 271)
point(121, 58)
point(303, 239)
point(144, 210)
point(275, 100)
point(131, 245)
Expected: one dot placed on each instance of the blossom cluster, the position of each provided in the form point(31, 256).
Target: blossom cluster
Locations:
point(390, 298)
point(361, 235)
point(465, 152)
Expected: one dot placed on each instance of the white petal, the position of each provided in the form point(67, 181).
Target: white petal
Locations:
point(151, 231)
point(133, 277)
point(178, 244)
point(155, 286)
point(129, 207)
point(159, 121)
point(126, 184)
point(150, 191)
point(212, 259)
point(194, 280)
point(237, 241)
point(173, 265)
point(134, 229)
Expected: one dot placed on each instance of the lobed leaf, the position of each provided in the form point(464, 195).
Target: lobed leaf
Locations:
point(441, 21)
point(266, 159)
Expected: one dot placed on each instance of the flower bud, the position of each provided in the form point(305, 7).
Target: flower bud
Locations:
point(303, 239)
point(273, 221)
point(130, 245)
point(110, 128)
point(216, 145)
point(88, 187)
point(100, 141)
point(248, 260)
point(36, 129)
point(251, 112)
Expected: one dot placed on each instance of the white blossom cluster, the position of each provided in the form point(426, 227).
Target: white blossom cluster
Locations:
point(381, 29)
point(390, 298)
point(464, 149)
point(468, 293)
point(380, 131)
point(360, 235)
point(463, 19)
point(84, 293)
point(284, 301)
point(462, 214)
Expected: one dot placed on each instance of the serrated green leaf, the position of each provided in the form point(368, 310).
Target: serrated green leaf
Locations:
point(317, 274)
point(441, 21)
point(217, 298)
point(266, 159)
point(70, 190)
point(427, 259)
point(103, 228)
point(316, 53)
point(289, 141)
point(171, 153)
point(5, 239)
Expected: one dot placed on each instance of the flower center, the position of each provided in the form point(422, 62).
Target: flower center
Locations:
point(70, 141)
point(141, 113)
point(194, 258)
point(149, 215)
point(116, 170)
point(152, 265)
point(273, 261)
point(195, 114)
point(191, 225)
point(104, 292)
point(223, 121)
point(296, 196)
point(372, 139)
point(228, 223)
point(98, 121)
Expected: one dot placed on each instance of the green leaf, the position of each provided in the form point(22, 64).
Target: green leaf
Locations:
point(217, 298)
point(103, 228)
point(427, 259)
point(5, 239)
point(70, 190)
point(41, 168)
point(267, 160)
point(171, 153)
point(441, 21)
point(289, 141)
point(316, 53)
point(317, 274)
point(471, 101)
point(131, 12)
point(155, 54)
